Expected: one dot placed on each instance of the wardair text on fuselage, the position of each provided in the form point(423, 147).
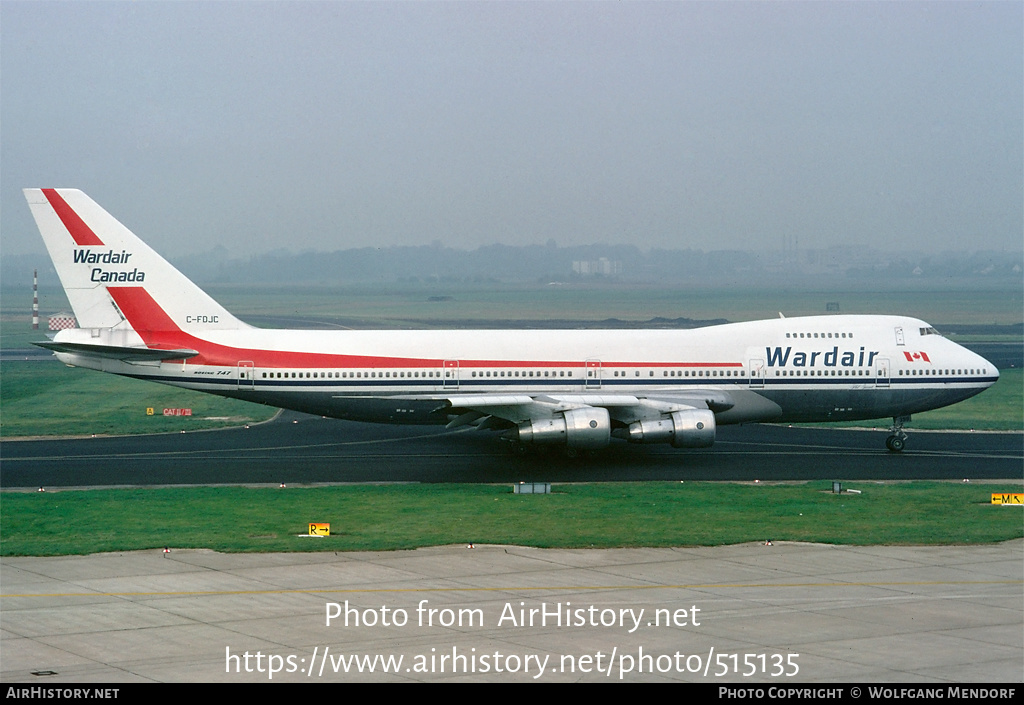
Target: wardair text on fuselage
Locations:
point(777, 357)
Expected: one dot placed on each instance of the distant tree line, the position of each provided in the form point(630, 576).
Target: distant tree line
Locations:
point(551, 263)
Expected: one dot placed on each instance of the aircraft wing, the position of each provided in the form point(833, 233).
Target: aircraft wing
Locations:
point(684, 417)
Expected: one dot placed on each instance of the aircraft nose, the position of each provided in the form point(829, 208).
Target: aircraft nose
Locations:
point(990, 370)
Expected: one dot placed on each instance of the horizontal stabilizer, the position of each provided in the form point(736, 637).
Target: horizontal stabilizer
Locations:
point(117, 352)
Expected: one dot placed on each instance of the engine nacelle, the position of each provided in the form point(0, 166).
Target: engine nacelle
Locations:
point(585, 428)
point(690, 428)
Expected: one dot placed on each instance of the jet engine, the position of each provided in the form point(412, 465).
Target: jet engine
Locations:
point(586, 427)
point(689, 428)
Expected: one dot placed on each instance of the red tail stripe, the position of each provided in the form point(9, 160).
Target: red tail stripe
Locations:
point(80, 232)
point(144, 313)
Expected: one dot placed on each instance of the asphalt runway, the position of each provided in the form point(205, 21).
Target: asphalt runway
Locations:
point(297, 449)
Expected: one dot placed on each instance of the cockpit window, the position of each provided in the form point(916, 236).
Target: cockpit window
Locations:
point(930, 331)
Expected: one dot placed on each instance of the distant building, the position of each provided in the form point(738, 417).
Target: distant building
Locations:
point(602, 266)
point(62, 321)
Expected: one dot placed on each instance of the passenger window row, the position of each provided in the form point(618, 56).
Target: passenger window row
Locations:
point(819, 335)
point(349, 375)
point(926, 372)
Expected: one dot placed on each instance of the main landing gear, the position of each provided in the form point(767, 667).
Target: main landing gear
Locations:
point(898, 439)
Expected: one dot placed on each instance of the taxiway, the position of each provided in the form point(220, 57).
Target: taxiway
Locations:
point(297, 448)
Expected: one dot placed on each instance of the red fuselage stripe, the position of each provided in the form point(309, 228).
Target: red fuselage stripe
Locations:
point(159, 332)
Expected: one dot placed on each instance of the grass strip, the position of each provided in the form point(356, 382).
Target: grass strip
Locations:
point(602, 515)
point(50, 399)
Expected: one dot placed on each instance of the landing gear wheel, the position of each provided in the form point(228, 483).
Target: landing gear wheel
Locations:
point(898, 440)
point(895, 444)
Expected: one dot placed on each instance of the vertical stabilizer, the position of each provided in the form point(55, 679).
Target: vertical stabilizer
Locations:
point(113, 279)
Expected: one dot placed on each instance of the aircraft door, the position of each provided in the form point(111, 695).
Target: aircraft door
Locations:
point(899, 336)
point(757, 374)
point(882, 372)
point(593, 374)
point(450, 374)
point(246, 375)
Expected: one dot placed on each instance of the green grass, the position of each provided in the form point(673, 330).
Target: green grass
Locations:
point(46, 398)
point(603, 515)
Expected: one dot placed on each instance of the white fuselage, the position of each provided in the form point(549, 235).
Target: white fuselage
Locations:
point(789, 369)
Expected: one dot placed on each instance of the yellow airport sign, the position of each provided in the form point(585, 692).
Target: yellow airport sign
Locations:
point(1008, 498)
point(319, 529)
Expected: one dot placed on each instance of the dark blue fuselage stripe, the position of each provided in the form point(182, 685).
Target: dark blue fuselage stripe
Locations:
point(438, 384)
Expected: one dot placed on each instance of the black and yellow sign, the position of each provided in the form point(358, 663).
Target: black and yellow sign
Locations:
point(319, 529)
point(1008, 498)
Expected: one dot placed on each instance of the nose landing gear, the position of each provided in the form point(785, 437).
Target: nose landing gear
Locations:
point(898, 439)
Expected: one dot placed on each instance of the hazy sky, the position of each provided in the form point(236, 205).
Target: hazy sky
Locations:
point(327, 125)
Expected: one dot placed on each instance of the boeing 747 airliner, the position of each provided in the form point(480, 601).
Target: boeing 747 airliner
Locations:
point(140, 317)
